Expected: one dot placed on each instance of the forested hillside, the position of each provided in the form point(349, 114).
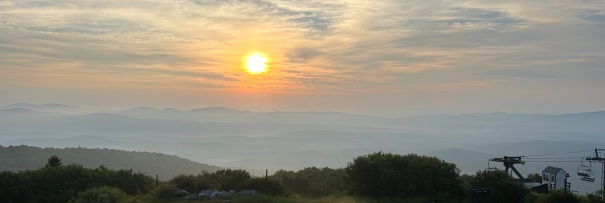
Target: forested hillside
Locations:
point(375, 177)
point(20, 158)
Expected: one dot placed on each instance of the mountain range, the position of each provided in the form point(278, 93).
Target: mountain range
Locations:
point(294, 140)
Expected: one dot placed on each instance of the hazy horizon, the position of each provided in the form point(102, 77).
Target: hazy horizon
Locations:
point(295, 140)
point(113, 109)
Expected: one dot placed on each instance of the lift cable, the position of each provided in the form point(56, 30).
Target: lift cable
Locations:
point(578, 157)
point(559, 153)
point(552, 161)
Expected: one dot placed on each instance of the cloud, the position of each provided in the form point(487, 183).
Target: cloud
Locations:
point(314, 45)
point(522, 73)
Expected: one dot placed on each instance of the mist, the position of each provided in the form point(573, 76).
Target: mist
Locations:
point(276, 140)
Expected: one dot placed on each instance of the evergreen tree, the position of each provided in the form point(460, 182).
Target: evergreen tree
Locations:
point(54, 161)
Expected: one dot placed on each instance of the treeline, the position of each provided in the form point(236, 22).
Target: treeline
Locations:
point(385, 177)
point(225, 180)
point(63, 183)
point(21, 158)
point(376, 177)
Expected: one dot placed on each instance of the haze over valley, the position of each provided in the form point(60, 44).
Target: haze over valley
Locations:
point(257, 141)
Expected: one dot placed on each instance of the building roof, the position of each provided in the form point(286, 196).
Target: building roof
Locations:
point(553, 170)
point(526, 180)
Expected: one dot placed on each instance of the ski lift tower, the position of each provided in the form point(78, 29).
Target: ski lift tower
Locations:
point(509, 162)
point(601, 160)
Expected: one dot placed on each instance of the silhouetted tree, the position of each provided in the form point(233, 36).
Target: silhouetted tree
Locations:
point(62, 183)
point(535, 177)
point(592, 197)
point(228, 179)
point(54, 161)
point(269, 187)
point(410, 176)
point(502, 187)
point(560, 196)
point(103, 194)
point(314, 182)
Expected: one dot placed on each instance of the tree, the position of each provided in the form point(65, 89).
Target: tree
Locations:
point(268, 187)
point(191, 183)
point(54, 161)
point(228, 179)
point(502, 187)
point(410, 176)
point(103, 194)
point(535, 177)
point(592, 197)
point(164, 191)
point(314, 182)
point(560, 196)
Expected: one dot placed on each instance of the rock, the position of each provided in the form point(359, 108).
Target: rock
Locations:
point(248, 192)
point(178, 192)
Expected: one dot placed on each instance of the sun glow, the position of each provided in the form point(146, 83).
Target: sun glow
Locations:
point(256, 63)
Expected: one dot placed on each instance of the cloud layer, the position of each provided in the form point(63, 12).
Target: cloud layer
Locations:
point(487, 50)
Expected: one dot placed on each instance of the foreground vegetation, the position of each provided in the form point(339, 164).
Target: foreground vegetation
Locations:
point(376, 177)
point(21, 158)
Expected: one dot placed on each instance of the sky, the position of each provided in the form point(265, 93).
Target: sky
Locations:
point(389, 57)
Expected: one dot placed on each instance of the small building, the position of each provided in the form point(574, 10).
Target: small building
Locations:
point(556, 178)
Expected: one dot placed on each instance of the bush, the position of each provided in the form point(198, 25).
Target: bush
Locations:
point(228, 179)
point(314, 182)
point(502, 187)
point(102, 194)
point(268, 187)
point(164, 192)
point(559, 196)
point(191, 183)
point(410, 177)
point(592, 197)
point(62, 183)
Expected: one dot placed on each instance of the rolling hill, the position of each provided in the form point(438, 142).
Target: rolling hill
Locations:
point(20, 158)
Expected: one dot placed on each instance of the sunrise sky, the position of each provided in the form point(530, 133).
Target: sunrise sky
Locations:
point(375, 57)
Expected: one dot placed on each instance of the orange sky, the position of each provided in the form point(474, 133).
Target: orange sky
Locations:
point(386, 57)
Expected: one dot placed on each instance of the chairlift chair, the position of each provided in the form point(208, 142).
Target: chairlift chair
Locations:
point(583, 170)
point(490, 168)
point(589, 177)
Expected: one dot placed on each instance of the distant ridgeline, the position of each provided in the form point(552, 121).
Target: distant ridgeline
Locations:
point(21, 158)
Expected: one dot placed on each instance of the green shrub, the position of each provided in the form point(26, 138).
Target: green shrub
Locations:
point(164, 191)
point(408, 176)
point(314, 182)
point(102, 194)
point(502, 187)
point(267, 187)
point(556, 196)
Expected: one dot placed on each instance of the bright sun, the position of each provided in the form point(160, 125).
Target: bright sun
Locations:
point(256, 63)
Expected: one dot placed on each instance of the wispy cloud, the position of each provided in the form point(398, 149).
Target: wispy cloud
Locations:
point(314, 45)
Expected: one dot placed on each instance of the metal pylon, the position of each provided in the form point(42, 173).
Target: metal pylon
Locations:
point(509, 162)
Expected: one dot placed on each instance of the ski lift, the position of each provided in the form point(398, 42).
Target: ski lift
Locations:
point(585, 172)
point(490, 168)
point(583, 169)
point(589, 177)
